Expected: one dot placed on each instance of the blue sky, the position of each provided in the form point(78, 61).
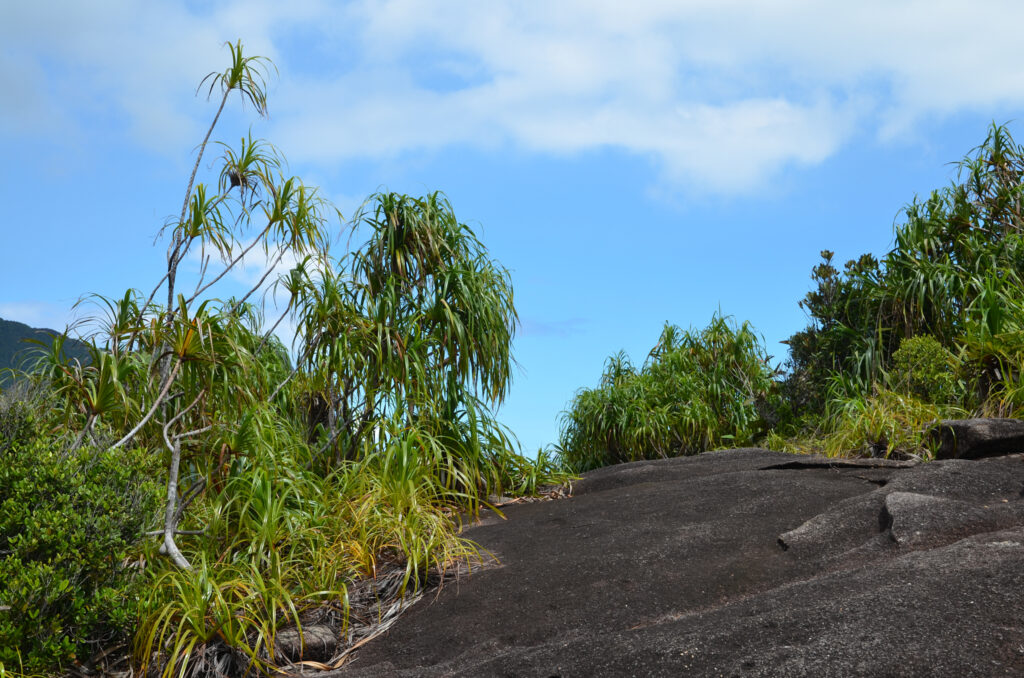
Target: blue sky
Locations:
point(630, 163)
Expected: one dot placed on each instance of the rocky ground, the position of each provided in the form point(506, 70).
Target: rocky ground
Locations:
point(737, 563)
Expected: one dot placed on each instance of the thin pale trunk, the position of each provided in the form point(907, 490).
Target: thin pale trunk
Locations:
point(170, 513)
point(174, 255)
point(174, 252)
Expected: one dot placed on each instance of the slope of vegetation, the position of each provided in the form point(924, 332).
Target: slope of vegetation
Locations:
point(286, 479)
point(932, 329)
point(17, 341)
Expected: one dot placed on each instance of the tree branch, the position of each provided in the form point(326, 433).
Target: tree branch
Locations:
point(230, 266)
point(172, 514)
point(152, 410)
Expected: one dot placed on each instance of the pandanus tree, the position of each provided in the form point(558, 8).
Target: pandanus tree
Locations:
point(290, 475)
point(181, 376)
point(697, 390)
point(409, 332)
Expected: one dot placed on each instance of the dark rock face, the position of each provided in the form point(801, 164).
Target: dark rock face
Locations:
point(738, 563)
point(315, 643)
point(977, 438)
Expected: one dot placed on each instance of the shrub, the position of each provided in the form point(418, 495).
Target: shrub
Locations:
point(925, 369)
point(697, 390)
point(68, 525)
point(20, 405)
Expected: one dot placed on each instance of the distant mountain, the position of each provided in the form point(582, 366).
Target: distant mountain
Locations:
point(14, 349)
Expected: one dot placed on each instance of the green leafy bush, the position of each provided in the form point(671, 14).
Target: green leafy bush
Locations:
point(954, 273)
point(925, 369)
point(68, 525)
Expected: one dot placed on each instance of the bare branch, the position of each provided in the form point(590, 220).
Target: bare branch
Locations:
point(230, 265)
point(181, 414)
point(152, 410)
point(169, 547)
point(194, 432)
point(174, 254)
point(186, 499)
point(258, 285)
point(266, 335)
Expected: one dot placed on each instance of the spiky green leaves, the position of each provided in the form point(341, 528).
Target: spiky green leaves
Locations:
point(246, 75)
point(698, 390)
point(954, 273)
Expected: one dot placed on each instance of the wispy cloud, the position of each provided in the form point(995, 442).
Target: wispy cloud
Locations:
point(719, 94)
point(536, 327)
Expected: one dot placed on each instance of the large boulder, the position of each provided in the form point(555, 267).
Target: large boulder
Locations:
point(977, 438)
point(737, 563)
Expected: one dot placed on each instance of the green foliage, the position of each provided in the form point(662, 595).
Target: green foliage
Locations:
point(415, 324)
point(925, 369)
point(954, 274)
point(288, 483)
point(842, 327)
point(281, 541)
point(883, 424)
point(696, 391)
point(70, 528)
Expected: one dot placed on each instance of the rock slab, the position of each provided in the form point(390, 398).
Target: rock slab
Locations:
point(977, 438)
point(738, 563)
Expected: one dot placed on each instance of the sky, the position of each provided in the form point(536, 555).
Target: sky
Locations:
point(630, 163)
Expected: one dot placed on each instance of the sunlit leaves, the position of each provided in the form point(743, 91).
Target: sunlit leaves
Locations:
point(286, 482)
point(246, 75)
point(414, 321)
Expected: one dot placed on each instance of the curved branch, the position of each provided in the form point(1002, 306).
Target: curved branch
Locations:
point(152, 410)
point(172, 512)
point(230, 266)
point(169, 547)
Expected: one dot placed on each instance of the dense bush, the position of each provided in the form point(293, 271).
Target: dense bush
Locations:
point(925, 369)
point(69, 527)
point(932, 328)
point(697, 390)
point(954, 273)
point(290, 476)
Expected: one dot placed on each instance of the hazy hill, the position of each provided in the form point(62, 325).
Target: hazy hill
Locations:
point(14, 349)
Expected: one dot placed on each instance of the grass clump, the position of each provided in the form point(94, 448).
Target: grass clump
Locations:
point(884, 424)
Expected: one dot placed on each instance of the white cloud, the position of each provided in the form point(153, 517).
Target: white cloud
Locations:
point(720, 93)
